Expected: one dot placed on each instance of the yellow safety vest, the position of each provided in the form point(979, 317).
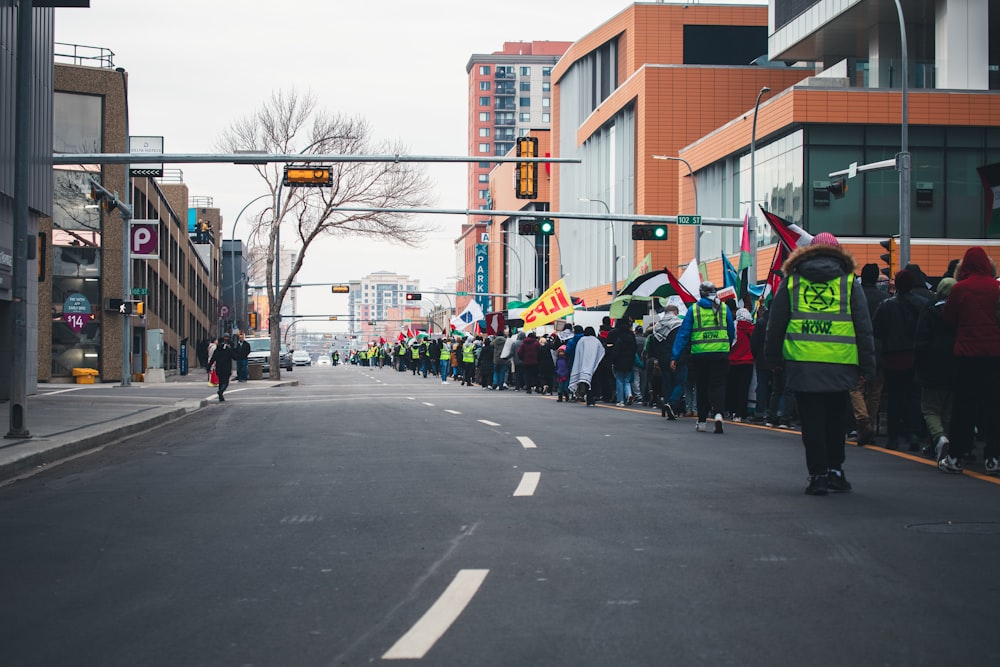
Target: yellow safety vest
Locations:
point(708, 335)
point(468, 354)
point(821, 328)
point(445, 354)
point(415, 352)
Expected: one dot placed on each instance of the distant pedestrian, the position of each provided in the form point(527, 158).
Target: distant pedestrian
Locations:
point(820, 330)
point(740, 367)
point(241, 352)
point(222, 362)
point(586, 358)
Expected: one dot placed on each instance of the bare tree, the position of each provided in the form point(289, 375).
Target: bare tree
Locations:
point(290, 122)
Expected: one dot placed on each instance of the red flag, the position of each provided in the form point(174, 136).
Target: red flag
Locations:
point(401, 337)
point(476, 331)
point(792, 236)
point(774, 276)
point(682, 292)
point(381, 340)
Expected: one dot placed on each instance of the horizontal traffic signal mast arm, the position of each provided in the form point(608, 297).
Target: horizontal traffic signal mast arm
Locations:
point(570, 215)
point(261, 158)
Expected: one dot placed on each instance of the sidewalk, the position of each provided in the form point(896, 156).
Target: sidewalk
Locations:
point(67, 419)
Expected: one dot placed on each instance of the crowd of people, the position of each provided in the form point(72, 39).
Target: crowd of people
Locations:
point(821, 356)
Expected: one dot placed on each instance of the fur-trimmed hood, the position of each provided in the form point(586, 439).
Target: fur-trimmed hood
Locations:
point(819, 263)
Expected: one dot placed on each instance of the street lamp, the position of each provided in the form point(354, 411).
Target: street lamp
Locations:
point(694, 184)
point(232, 254)
point(614, 246)
point(903, 163)
point(752, 225)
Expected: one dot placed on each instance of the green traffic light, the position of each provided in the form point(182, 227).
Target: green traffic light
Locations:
point(660, 232)
point(546, 227)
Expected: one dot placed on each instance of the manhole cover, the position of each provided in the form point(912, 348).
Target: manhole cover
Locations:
point(958, 527)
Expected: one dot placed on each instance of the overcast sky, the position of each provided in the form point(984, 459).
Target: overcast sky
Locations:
point(196, 65)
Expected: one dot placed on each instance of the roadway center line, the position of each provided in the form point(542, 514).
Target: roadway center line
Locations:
point(428, 404)
point(436, 621)
point(526, 442)
point(487, 422)
point(453, 412)
point(529, 482)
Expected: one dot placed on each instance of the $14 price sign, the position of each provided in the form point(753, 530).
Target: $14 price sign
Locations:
point(76, 321)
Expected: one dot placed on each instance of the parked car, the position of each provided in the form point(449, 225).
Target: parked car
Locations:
point(260, 353)
point(301, 358)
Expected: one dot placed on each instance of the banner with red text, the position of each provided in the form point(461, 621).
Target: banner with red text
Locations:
point(550, 306)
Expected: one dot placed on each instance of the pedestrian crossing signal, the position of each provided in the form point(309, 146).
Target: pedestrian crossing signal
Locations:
point(253, 320)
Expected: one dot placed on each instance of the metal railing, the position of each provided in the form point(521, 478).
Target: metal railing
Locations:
point(86, 56)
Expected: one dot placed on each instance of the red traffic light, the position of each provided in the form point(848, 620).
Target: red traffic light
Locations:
point(414, 296)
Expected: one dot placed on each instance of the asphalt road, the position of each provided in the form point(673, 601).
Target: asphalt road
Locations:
point(369, 516)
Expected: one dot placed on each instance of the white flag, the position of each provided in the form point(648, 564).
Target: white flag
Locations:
point(472, 313)
point(690, 279)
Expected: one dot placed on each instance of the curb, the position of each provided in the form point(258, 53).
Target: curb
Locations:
point(45, 453)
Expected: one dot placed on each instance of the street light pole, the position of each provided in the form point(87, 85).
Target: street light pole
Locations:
point(614, 246)
point(903, 162)
point(752, 225)
point(232, 254)
point(694, 184)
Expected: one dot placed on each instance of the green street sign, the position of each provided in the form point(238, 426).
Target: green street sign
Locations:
point(461, 293)
point(689, 220)
point(140, 291)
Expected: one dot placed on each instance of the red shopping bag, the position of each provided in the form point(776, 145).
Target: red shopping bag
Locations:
point(213, 379)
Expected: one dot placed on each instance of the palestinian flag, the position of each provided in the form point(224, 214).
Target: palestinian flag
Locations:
point(745, 244)
point(774, 274)
point(990, 176)
point(792, 236)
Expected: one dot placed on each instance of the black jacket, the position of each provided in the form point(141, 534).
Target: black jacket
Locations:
point(934, 345)
point(223, 360)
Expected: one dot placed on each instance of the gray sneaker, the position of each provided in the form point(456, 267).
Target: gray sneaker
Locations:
point(992, 466)
point(951, 464)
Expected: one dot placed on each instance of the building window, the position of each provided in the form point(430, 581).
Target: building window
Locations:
point(484, 165)
point(484, 178)
point(546, 86)
point(484, 70)
point(546, 101)
point(484, 116)
point(483, 194)
point(546, 118)
point(546, 71)
point(525, 86)
point(484, 85)
point(525, 71)
point(524, 101)
point(484, 101)
point(484, 148)
point(525, 117)
point(484, 131)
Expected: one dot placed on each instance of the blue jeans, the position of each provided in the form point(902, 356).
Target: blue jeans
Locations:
point(444, 365)
point(500, 375)
point(673, 385)
point(242, 370)
point(623, 385)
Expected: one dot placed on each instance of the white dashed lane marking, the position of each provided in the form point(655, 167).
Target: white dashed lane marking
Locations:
point(428, 404)
point(453, 412)
point(487, 422)
point(526, 442)
point(529, 482)
point(433, 624)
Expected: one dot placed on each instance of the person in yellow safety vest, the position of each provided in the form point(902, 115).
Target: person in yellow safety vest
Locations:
point(708, 327)
point(444, 359)
point(820, 332)
point(468, 361)
point(414, 358)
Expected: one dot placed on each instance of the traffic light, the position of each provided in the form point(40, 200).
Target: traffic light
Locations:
point(526, 173)
point(890, 257)
point(139, 309)
point(340, 289)
point(543, 227)
point(838, 188)
point(414, 296)
point(649, 232)
point(306, 176)
point(108, 201)
point(332, 318)
point(252, 317)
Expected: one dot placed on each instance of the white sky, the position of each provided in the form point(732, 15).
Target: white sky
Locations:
point(196, 65)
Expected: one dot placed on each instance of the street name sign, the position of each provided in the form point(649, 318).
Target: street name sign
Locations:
point(689, 220)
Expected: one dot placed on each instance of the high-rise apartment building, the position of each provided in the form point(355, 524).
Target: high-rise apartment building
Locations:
point(510, 92)
point(371, 298)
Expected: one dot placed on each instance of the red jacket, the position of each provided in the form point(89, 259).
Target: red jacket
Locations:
point(972, 307)
point(740, 353)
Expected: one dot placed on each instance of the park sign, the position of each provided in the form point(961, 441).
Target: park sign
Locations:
point(144, 239)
